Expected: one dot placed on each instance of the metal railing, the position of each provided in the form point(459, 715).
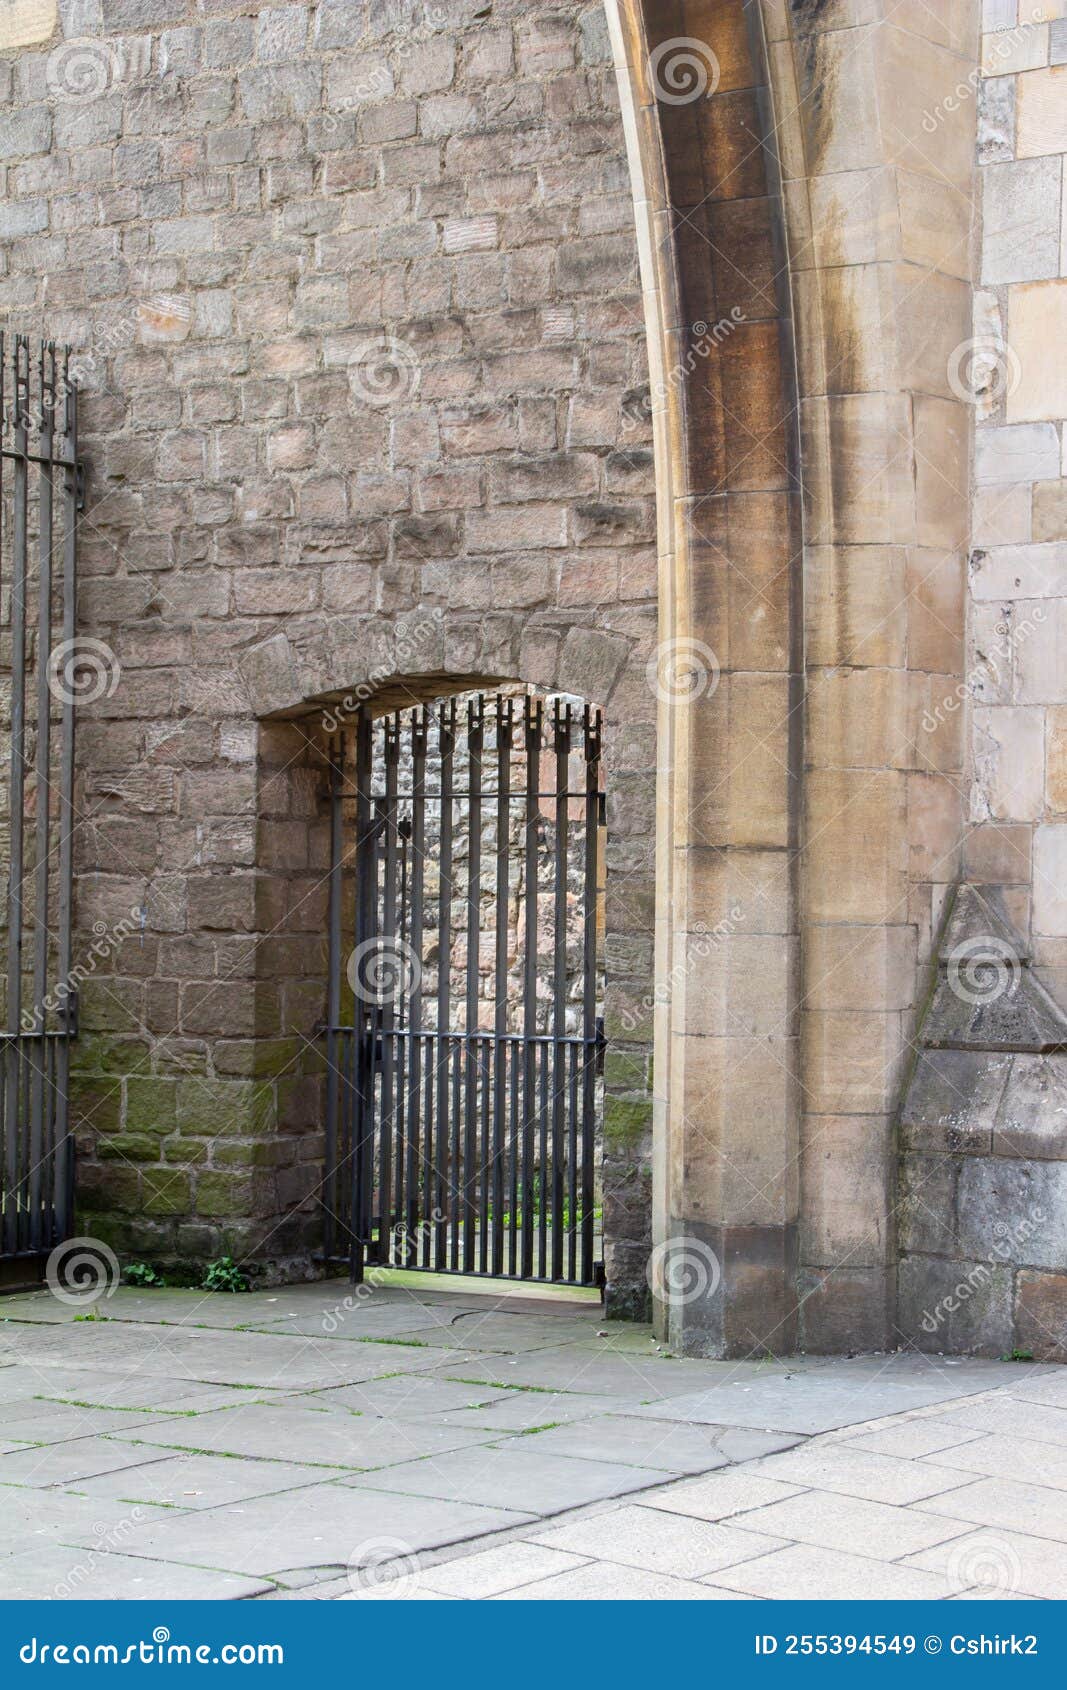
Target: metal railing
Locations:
point(40, 495)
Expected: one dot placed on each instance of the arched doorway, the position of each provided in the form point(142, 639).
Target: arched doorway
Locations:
point(464, 1030)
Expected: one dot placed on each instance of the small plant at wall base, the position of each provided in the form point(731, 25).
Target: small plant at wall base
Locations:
point(143, 1275)
point(225, 1275)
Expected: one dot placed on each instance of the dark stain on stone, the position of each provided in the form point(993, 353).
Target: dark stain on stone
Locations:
point(809, 11)
point(815, 73)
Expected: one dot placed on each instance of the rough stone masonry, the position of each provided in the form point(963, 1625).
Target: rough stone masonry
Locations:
point(355, 299)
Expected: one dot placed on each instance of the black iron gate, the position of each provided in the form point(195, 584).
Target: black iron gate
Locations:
point(39, 500)
point(463, 1032)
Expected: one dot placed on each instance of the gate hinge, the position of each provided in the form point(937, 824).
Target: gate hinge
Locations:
point(79, 485)
point(601, 1044)
point(67, 1015)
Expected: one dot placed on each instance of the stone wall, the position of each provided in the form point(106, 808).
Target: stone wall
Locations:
point(983, 1195)
point(355, 296)
point(1018, 612)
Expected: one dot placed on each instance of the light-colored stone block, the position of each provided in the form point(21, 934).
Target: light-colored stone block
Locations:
point(1024, 452)
point(1037, 336)
point(1021, 220)
point(1001, 515)
point(1050, 879)
point(1010, 761)
point(1038, 647)
point(1042, 113)
point(1022, 49)
point(1008, 572)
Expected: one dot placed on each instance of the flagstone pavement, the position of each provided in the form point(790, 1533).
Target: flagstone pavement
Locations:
point(319, 1442)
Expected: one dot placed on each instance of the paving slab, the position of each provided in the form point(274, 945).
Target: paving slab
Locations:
point(998, 1456)
point(512, 1476)
point(283, 1361)
point(90, 1387)
point(912, 1438)
point(516, 1410)
point(493, 1330)
point(321, 1526)
point(603, 1582)
point(411, 1396)
point(1045, 1387)
point(362, 1321)
point(73, 1575)
point(55, 1422)
point(721, 1495)
point(32, 1518)
point(45, 1465)
point(825, 1519)
point(195, 1480)
point(313, 1436)
point(677, 1448)
point(494, 1571)
point(1002, 1563)
point(801, 1573)
point(1007, 1503)
point(570, 1368)
point(823, 1465)
point(1004, 1413)
point(811, 1402)
point(658, 1542)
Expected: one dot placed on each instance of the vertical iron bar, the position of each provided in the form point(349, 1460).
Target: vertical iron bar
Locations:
point(42, 795)
point(559, 982)
point(475, 1191)
point(504, 724)
point(418, 849)
point(589, 936)
point(574, 1061)
point(438, 1162)
point(454, 1208)
point(334, 1051)
point(362, 1020)
point(532, 719)
point(400, 1125)
point(17, 775)
point(391, 749)
point(64, 1175)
